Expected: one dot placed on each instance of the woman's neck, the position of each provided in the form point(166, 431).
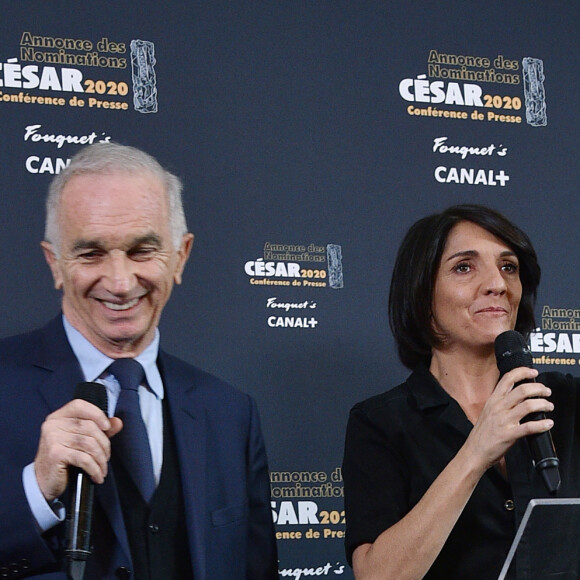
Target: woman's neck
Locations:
point(469, 378)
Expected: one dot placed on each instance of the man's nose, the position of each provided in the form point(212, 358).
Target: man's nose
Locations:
point(120, 272)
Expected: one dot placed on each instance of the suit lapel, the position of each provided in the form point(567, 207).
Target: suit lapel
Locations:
point(56, 356)
point(108, 497)
point(189, 425)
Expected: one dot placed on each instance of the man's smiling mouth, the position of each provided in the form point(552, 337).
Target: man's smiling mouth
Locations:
point(124, 306)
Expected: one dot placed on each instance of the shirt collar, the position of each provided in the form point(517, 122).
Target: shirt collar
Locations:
point(426, 390)
point(94, 363)
point(430, 395)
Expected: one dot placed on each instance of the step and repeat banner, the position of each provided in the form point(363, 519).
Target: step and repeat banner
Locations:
point(310, 135)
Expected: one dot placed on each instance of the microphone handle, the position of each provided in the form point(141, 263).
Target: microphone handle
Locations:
point(82, 491)
point(543, 453)
point(511, 351)
point(80, 515)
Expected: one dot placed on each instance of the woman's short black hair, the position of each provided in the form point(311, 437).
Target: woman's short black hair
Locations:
point(416, 267)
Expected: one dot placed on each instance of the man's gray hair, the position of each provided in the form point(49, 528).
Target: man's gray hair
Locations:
point(107, 158)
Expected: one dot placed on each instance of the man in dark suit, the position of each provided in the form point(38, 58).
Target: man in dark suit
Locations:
point(116, 242)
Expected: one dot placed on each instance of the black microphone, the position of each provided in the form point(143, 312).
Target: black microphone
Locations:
point(81, 489)
point(511, 352)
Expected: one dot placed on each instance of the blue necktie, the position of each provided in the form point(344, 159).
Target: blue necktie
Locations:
point(131, 445)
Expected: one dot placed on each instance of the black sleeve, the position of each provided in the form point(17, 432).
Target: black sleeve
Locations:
point(375, 489)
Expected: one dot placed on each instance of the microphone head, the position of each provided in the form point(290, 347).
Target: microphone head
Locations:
point(94, 393)
point(511, 352)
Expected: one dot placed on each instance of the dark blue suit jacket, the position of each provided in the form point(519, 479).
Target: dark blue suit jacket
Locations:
point(221, 455)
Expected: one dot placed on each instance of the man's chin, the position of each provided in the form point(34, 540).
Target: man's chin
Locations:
point(124, 340)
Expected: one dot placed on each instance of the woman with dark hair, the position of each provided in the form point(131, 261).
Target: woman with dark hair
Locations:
point(436, 471)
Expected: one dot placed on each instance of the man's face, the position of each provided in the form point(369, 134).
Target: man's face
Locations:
point(117, 262)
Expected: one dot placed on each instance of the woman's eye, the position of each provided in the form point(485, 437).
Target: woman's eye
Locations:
point(462, 268)
point(510, 267)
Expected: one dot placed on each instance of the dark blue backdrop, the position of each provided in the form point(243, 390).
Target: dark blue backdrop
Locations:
point(298, 125)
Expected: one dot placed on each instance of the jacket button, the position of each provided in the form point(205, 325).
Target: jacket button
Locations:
point(123, 573)
point(509, 505)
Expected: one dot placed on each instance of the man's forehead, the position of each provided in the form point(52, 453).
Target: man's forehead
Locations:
point(119, 207)
point(113, 188)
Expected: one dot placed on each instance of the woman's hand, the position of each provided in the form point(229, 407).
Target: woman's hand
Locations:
point(499, 425)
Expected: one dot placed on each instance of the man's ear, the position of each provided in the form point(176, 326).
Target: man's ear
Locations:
point(183, 255)
point(53, 263)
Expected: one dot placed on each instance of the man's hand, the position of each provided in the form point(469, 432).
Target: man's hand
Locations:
point(76, 434)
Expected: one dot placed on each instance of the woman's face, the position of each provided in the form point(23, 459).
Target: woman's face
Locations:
point(477, 288)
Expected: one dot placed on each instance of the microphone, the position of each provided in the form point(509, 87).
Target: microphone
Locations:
point(81, 489)
point(511, 351)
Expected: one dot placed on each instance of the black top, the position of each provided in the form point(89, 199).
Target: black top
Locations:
point(398, 442)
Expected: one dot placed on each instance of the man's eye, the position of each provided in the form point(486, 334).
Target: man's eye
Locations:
point(92, 255)
point(141, 253)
